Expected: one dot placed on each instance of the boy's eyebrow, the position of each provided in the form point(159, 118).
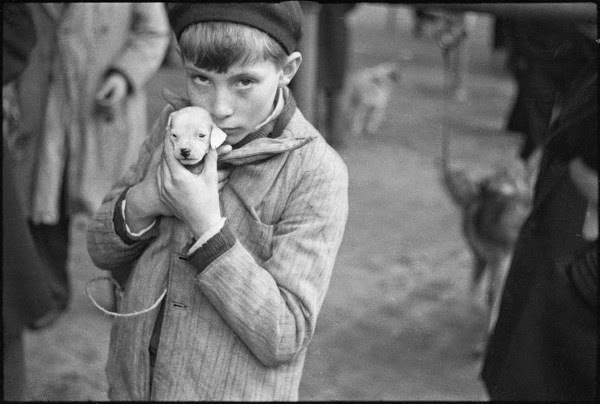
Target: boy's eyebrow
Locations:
point(243, 72)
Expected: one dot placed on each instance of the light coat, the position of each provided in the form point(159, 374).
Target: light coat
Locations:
point(61, 137)
point(238, 330)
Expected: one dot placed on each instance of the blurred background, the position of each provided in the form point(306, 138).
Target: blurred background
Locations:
point(399, 321)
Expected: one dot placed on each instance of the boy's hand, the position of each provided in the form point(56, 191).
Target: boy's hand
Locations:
point(194, 199)
point(143, 199)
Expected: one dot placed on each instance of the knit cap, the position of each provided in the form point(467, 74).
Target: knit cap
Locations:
point(282, 21)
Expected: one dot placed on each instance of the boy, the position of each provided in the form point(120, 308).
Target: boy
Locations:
point(246, 270)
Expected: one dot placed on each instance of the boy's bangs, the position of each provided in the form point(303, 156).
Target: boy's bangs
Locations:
point(216, 46)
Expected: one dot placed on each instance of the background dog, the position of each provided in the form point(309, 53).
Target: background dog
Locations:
point(367, 95)
point(493, 210)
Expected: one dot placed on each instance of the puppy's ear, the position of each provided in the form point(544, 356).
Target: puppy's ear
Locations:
point(175, 100)
point(217, 137)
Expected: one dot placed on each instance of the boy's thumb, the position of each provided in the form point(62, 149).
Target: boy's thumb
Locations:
point(210, 161)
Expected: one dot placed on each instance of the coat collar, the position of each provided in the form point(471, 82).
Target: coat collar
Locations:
point(266, 147)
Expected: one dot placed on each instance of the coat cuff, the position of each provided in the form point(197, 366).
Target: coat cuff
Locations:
point(212, 249)
point(120, 225)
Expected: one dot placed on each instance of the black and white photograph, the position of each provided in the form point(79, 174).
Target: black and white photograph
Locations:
point(300, 201)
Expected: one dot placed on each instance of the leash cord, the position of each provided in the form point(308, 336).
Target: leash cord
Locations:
point(114, 314)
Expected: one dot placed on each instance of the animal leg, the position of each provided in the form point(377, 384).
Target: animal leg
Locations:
point(358, 119)
point(375, 119)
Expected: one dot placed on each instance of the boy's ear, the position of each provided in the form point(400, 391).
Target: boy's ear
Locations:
point(290, 68)
point(217, 137)
point(175, 100)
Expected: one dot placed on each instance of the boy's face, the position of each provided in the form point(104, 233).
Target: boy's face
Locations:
point(237, 100)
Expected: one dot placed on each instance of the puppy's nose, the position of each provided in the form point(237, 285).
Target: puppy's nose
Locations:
point(185, 153)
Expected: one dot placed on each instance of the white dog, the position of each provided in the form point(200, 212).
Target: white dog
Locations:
point(367, 95)
point(192, 132)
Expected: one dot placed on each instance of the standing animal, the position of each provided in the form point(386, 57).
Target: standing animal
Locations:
point(367, 95)
point(493, 209)
point(192, 132)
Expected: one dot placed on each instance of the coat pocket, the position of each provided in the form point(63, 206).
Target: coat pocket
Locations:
point(260, 240)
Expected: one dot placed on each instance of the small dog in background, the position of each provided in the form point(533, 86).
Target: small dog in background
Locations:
point(493, 209)
point(367, 95)
point(192, 132)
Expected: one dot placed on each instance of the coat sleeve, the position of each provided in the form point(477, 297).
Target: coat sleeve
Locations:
point(106, 248)
point(273, 308)
point(146, 46)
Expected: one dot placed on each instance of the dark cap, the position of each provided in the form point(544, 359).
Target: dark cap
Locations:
point(282, 21)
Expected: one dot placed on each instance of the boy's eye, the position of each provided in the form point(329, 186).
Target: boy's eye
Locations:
point(245, 82)
point(200, 79)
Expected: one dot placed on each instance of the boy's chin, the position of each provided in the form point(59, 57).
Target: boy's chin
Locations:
point(235, 138)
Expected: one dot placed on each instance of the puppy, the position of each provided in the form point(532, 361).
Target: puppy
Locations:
point(366, 96)
point(493, 210)
point(192, 132)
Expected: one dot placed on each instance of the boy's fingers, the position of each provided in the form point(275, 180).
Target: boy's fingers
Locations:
point(223, 149)
point(223, 174)
point(169, 154)
point(210, 163)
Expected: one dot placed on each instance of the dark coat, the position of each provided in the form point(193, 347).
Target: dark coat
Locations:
point(18, 39)
point(544, 345)
point(26, 295)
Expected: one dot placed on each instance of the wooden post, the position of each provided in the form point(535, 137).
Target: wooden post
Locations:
point(305, 82)
point(391, 21)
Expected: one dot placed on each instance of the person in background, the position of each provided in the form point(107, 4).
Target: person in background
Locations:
point(83, 95)
point(544, 57)
point(27, 301)
point(332, 67)
point(544, 345)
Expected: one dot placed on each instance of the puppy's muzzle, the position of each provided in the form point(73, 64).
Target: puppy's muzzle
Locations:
point(185, 152)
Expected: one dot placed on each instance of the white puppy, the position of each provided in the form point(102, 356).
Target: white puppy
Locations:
point(192, 132)
point(366, 97)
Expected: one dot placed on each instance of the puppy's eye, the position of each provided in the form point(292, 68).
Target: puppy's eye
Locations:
point(174, 136)
point(201, 135)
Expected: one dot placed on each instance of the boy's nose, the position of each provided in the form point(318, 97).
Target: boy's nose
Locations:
point(222, 107)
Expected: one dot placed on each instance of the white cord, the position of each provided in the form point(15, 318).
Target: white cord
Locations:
point(112, 313)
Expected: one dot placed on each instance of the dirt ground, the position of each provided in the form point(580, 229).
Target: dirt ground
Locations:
point(399, 322)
